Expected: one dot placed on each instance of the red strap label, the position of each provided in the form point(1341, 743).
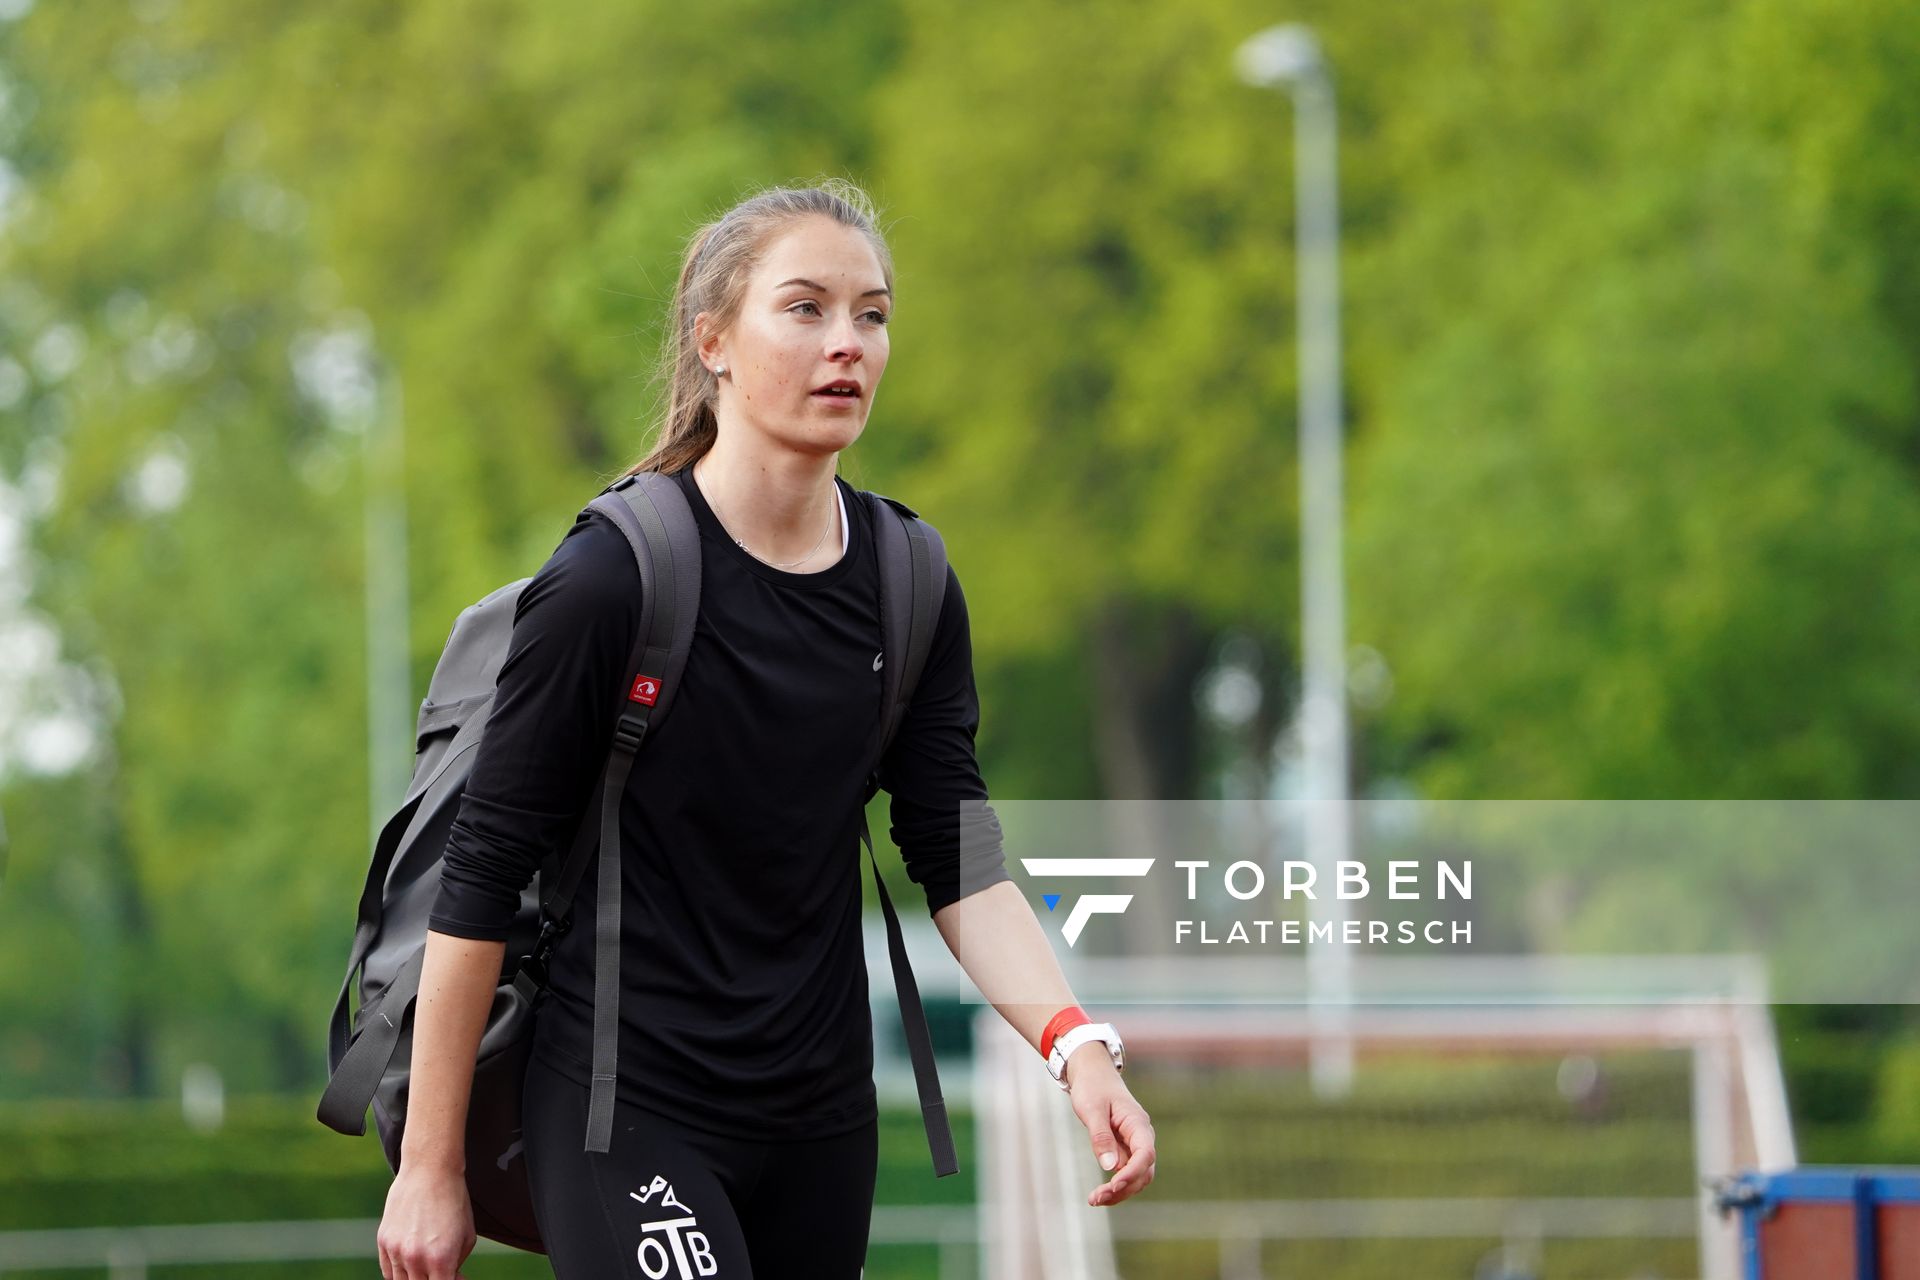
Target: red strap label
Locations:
point(645, 690)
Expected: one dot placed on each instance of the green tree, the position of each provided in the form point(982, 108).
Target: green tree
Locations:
point(496, 193)
point(1635, 449)
point(1104, 427)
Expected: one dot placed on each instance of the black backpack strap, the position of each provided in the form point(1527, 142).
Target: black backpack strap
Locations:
point(339, 1026)
point(913, 582)
point(359, 1067)
point(652, 512)
point(913, 1021)
point(913, 586)
point(343, 1107)
point(471, 714)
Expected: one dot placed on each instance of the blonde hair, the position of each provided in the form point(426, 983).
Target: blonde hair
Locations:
point(720, 259)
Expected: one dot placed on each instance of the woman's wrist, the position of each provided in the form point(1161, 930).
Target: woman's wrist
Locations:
point(441, 1159)
point(1089, 1061)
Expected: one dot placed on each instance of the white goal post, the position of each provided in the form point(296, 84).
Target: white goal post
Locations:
point(1709, 1013)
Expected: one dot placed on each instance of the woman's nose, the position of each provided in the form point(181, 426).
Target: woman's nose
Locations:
point(846, 340)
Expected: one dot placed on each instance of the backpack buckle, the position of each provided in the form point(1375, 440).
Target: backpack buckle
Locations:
point(629, 735)
point(533, 966)
point(550, 932)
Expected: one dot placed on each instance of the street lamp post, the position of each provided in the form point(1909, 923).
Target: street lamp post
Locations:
point(390, 707)
point(1289, 57)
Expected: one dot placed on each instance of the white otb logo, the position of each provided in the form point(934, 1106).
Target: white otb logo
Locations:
point(672, 1246)
point(876, 659)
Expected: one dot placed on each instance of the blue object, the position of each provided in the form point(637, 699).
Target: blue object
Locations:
point(1757, 1197)
point(1053, 900)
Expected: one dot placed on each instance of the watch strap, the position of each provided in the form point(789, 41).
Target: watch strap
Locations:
point(1073, 1038)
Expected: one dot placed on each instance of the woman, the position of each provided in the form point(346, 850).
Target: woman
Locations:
point(745, 1134)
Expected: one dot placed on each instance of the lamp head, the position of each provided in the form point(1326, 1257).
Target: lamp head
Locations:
point(1279, 56)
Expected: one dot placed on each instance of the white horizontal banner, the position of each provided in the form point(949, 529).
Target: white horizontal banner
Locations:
point(1433, 902)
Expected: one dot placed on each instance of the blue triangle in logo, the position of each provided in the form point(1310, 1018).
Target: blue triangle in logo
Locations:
point(1053, 900)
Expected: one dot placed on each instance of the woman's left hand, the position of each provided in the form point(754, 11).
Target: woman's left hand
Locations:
point(1121, 1132)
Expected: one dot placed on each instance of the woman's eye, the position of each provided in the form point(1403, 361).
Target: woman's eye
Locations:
point(876, 313)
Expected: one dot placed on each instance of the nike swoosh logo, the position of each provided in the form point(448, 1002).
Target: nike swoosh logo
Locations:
point(876, 659)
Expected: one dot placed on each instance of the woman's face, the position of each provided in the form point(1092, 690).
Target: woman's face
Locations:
point(815, 313)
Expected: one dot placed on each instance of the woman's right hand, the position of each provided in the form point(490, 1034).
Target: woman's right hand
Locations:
point(427, 1230)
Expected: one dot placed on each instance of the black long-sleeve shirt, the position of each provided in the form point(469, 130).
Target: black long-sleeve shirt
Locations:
point(744, 1006)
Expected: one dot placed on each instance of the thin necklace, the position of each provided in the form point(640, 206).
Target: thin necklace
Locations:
point(832, 519)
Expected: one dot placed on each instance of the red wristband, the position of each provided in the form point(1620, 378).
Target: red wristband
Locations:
point(1062, 1022)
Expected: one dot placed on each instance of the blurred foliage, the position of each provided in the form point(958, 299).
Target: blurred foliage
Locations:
point(1636, 351)
point(1633, 321)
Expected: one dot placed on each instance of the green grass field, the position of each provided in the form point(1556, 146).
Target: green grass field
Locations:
point(1415, 1129)
point(1468, 1128)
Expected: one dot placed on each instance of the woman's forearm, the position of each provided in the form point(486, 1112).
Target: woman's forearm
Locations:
point(999, 942)
point(458, 977)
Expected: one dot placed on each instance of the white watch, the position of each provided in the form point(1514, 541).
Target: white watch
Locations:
point(1065, 1043)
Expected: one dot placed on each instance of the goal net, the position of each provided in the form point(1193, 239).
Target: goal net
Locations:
point(1546, 1118)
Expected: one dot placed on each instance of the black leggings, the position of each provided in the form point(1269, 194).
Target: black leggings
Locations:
point(668, 1202)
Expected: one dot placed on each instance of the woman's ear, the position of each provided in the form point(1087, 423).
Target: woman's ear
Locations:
point(706, 343)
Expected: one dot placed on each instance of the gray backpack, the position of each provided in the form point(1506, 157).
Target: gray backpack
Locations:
point(369, 1057)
